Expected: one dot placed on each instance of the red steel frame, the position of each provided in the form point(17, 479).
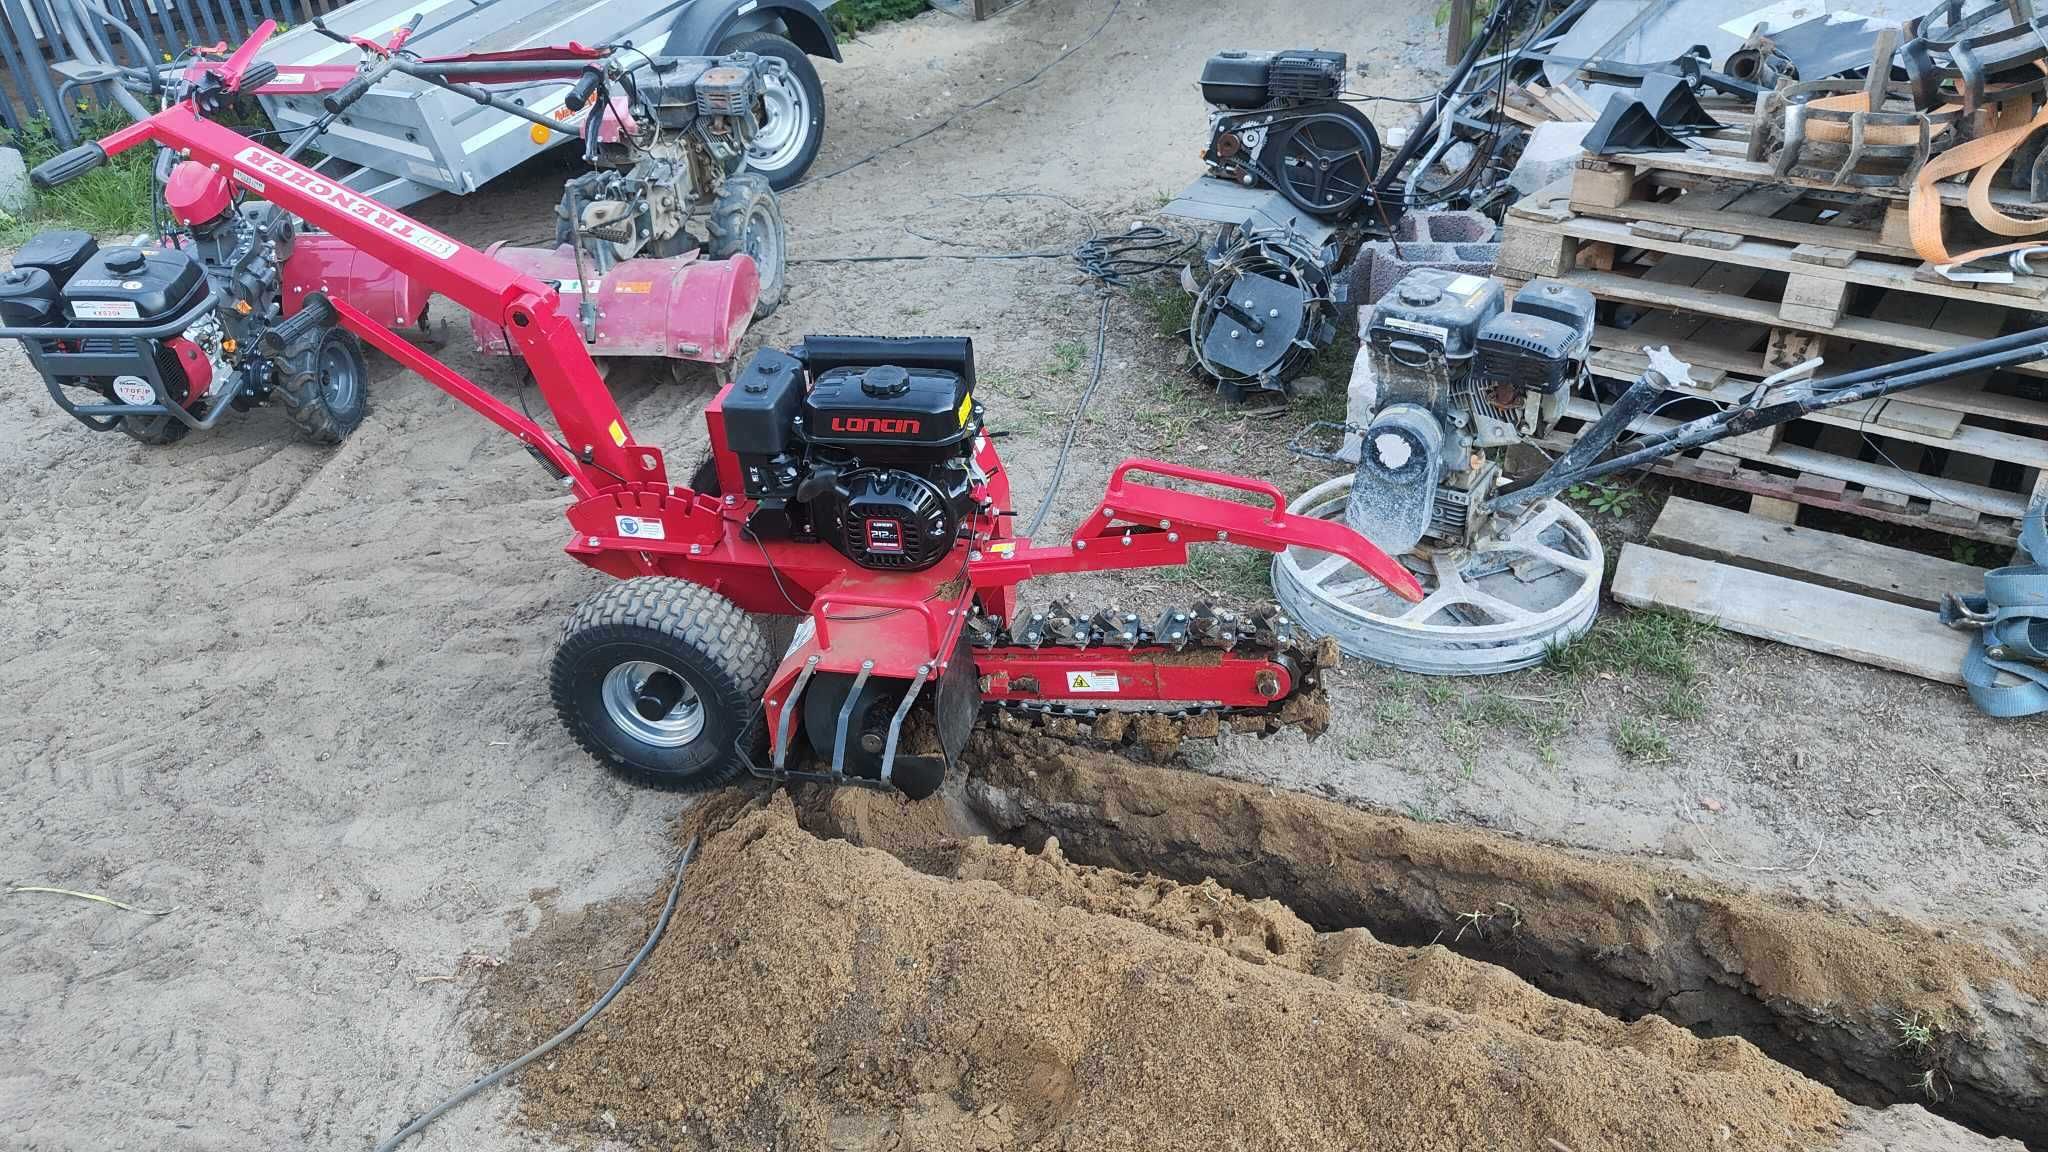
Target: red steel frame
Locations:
point(630, 521)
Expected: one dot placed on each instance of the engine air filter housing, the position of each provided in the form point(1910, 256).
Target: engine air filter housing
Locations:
point(1525, 354)
point(1302, 74)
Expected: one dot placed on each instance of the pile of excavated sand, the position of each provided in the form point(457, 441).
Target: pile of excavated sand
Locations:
point(812, 994)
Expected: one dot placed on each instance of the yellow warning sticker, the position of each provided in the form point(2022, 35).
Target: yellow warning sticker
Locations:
point(966, 406)
point(633, 288)
point(618, 434)
point(1091, 682)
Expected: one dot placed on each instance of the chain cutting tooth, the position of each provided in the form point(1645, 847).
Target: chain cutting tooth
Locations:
point(1033, 633)
point(1119, 628)
point(1268, 628)
point(1173, 629)
point(983, 632)
point(1063, 627)
point(1214, 627)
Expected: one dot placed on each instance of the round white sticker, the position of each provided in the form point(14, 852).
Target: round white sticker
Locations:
point(134, 390)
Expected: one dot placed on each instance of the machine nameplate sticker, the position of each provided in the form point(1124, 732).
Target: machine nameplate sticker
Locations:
point(105, 310)
point(134, 390)
point(362, 208)
point(1420, 329)
point(1091, 682)
point(642, 528)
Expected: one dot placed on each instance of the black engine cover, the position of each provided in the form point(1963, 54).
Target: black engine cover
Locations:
point(134, 285)
point(889, 519)
point(890, 413)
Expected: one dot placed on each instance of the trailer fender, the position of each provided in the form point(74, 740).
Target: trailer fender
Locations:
point(706, 24)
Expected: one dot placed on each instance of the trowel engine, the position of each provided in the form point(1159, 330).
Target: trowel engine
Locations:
point(1460, 376)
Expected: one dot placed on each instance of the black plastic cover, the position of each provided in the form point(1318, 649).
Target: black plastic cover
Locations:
point(907, 406)
point(60, 253)
point(1236, 78)
point(761, 406)
point(1305, 74)
point(28, 299)
point(940, 353)
point(126, 285)
point(1568, 304)
point(1526, 353)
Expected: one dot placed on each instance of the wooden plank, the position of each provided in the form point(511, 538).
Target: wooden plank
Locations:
point(1845, 562)
point(1685, 212)
point(1860, 628)
point(1619, 287)
point(1717, 161)
point(1823, 255)
point(1601, 184)
point(1778, 258)
point(1989, 501)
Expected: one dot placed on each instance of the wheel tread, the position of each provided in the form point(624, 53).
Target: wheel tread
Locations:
point(706, 622)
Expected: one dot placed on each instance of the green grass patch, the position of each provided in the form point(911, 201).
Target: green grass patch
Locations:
point(1067, 358)
point(110, 200)
point(1227, 570)
point(1641, 740)
point(850, 16)
point(1653, 643)
point(1170, 308)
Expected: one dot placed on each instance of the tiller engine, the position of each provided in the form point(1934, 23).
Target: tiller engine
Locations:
point(853, 483)
point(644, 240)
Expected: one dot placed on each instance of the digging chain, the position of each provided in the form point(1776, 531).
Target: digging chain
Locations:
point(1263, 635)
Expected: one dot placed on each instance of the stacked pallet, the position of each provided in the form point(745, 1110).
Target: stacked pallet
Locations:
point(1744, 273)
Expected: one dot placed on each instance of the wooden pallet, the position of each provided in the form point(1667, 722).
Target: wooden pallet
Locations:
point(1759, 292)
point(1843, 597)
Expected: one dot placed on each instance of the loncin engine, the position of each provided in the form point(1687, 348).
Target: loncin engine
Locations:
point(64, 279)
point(693, 117)
point(1459, 375)
point(1276, 121)
point(863, 442)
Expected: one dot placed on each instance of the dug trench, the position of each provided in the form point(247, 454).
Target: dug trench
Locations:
point(1072, 950)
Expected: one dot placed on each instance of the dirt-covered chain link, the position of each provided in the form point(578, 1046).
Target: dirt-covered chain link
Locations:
point(1265, 634)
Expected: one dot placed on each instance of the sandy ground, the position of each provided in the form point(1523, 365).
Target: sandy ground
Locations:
point(295, 695)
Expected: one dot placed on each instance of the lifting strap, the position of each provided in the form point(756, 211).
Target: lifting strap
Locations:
point(2006, 668)
point(1984, 158)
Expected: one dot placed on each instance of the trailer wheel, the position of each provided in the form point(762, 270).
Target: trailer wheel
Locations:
point(659, 679)
point(323, 383)
point(793, 113)
point(154, 431)
point(746, 218)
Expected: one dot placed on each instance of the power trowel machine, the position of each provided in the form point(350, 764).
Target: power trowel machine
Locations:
point(1461, 376)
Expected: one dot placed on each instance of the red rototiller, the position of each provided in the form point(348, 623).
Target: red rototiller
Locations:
point(853, 482)
point(665, 250)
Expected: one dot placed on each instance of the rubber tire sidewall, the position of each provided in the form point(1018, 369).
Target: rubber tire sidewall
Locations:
point(155, 431)
point(727, 225)
point(306, 404)
point(702, 637)
point(806, 76)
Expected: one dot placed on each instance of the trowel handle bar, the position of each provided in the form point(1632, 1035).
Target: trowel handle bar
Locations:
point(1199, 476)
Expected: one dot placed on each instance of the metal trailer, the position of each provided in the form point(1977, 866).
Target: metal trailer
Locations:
point(405, 140)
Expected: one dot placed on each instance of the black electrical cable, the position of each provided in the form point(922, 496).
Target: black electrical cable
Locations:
point(675, 889)
point(984, 102)
point(1059, 468)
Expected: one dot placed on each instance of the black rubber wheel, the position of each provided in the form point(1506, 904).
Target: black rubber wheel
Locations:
point(323, 383)
point(154, 431)
point(747, 218)
point(793, 110)
point(659, 678)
